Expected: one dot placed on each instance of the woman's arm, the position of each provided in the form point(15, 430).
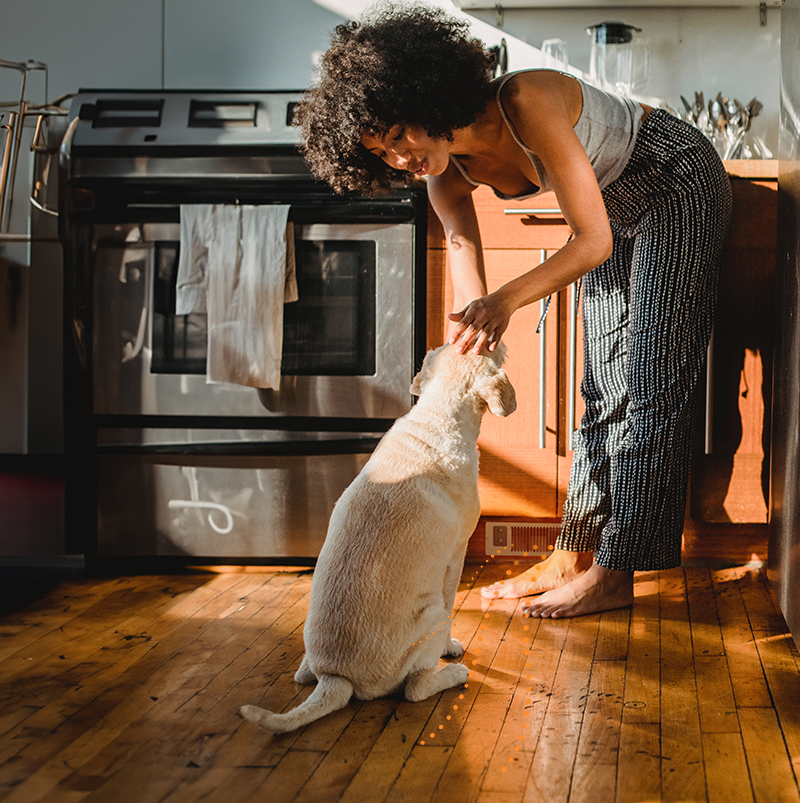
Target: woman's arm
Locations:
point(451, 198)
point(543, 114)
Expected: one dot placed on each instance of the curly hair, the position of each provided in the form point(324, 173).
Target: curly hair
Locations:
point(406, 64)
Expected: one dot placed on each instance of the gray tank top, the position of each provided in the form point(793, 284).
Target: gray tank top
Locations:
point(607, 129)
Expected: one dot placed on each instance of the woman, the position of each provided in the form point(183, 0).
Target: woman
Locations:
point(407, 93)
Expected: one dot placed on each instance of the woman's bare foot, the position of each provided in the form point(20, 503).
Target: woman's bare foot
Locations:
point(556, 570)
point(598, 589)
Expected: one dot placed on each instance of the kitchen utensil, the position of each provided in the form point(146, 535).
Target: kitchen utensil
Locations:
point(555, 54)
point(617, 61)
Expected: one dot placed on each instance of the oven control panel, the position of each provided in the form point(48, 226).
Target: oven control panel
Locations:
point(154, 119)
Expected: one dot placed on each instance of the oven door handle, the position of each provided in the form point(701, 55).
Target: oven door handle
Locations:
point(296, 448)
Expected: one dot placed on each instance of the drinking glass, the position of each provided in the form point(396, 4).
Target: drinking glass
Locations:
point(555, 54)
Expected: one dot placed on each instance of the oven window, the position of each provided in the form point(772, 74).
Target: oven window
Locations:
point(179, 341)
point(329, 331)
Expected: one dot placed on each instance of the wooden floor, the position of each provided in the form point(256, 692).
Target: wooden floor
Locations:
point(127, 689)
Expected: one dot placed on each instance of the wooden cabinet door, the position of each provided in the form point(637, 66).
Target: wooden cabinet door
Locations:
point(519, 473)
point(520, 458)
point(731, 458)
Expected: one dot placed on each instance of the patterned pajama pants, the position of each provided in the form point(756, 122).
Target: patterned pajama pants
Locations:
point(647, 317)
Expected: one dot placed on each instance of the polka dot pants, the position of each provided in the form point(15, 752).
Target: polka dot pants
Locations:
point(647, 317)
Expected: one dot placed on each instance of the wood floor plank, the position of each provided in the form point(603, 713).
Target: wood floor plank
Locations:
point(214, 708)
point(340, 765)
point(602, 715)
point(499, 797)
point(706, 634)
point(643, 673)
point(469, 760)
point(63, 604)
point(762, 612)
point(682, 773)
point(212, 785)
point(771, 775)
point(593, 782)
point(224, 739)
point(510, 767)
point(613, 635)
point(129, 786)
point(88, 743)
point(749, 684)
point(287, 779)
point(779, 661)
point(481, 626)
point(83, 706)
point(551, 770)
point(715, 695)
point(595, 772)
point(403, 729)
point(107, 651)
point(420, 775)
point(510, 659)
point(639, 765)
point(105, 612)
point(38, 668)
point(724, 758)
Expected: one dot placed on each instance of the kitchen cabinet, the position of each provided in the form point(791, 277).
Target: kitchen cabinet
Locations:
point(729, 486)
point(523, 477)
point(524, 458)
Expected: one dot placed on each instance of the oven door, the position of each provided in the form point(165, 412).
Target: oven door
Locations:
point(348, 346)
point(226, 494)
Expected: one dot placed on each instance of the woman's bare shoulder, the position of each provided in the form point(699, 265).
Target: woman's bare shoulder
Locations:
point(541, 93)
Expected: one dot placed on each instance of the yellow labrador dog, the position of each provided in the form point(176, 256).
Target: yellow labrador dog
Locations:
point(385, 582)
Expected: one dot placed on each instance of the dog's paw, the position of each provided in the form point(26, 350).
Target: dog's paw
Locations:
point(463, 673)
point(454, 649)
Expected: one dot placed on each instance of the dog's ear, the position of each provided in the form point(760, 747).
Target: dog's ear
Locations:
point(419, 380)
point(498, 393)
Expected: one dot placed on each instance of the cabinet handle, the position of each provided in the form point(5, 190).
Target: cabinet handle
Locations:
point(572, 375)
point(532, 211)
point(709, 439)
point(542, 364)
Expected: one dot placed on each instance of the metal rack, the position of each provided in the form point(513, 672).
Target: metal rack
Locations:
point(17, 113)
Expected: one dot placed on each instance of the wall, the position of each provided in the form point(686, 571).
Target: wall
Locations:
point(692, 49)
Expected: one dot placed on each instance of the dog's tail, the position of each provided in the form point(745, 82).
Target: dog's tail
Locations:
point(331, 693)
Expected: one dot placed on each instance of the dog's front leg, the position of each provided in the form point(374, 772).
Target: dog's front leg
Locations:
point(452, 646)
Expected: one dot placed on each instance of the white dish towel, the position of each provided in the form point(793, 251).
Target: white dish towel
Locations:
point(237, 264)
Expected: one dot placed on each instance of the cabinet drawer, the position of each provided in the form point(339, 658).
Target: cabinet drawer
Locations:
point(509, 224)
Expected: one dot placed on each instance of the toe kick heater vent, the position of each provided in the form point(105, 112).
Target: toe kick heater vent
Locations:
point(520, 538)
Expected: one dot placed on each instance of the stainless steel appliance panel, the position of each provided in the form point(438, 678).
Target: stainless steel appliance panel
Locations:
point(784, 521)
point(219, 506)
point(128, 380)
point(160, 463)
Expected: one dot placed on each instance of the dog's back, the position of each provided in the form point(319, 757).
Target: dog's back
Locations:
point(385, 578)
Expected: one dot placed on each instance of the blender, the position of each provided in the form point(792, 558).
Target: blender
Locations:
point(618, 62)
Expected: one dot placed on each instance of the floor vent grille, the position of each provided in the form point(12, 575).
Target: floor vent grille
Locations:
point(520, 538)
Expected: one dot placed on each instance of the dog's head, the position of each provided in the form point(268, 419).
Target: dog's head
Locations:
point(461, 374)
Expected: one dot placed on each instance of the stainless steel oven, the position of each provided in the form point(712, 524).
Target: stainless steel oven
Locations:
point(164, 463)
